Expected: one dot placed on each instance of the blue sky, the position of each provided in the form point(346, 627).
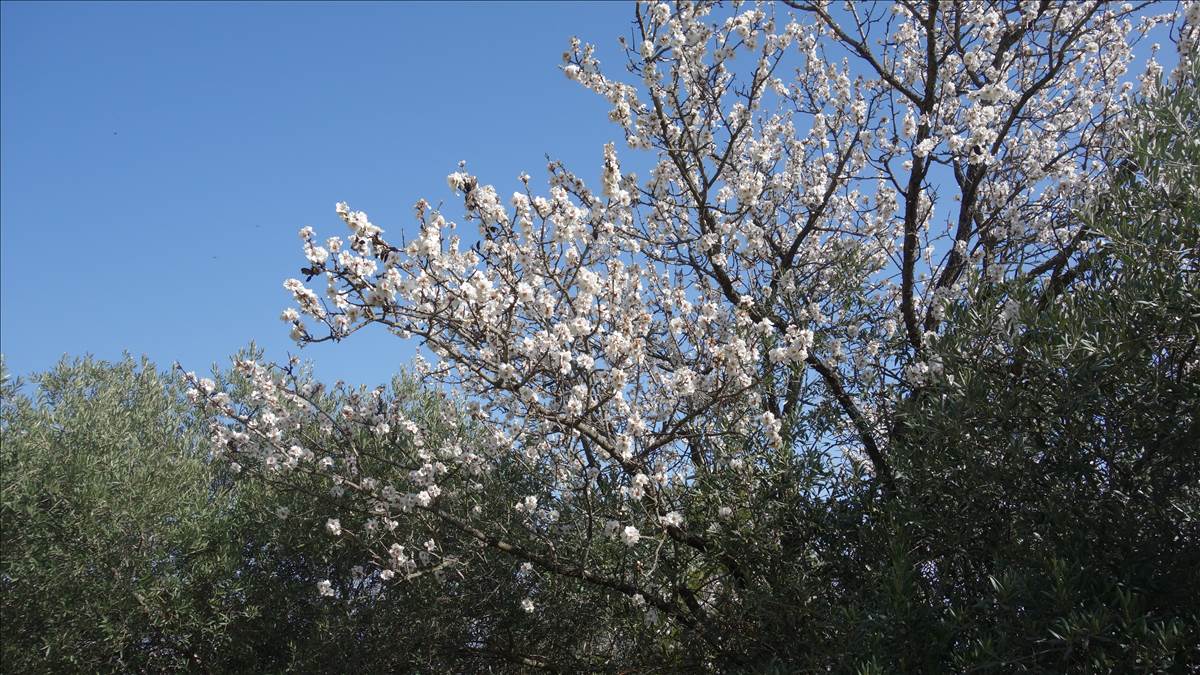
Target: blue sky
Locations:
point(157, 159)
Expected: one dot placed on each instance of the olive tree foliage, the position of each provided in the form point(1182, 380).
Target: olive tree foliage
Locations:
point(1050, 520)
point(695, 395)
point(113, 553)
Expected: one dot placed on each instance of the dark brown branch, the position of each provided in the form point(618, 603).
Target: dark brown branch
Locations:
point(580, 573)
point(882, 469)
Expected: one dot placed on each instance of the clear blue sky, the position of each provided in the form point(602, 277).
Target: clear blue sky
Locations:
point(157, 160)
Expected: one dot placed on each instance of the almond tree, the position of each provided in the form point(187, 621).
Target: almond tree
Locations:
point(684, 387)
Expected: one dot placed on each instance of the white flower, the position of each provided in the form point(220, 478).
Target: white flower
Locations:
point(397, 554)
point(457, 180)
point(333, 526)
point(672, 519)
point(661, 12)
point(625, 447)
point(325, 588)
point(387, 575)
point(316, 255)
point(991, 93)
point(527, 605)
point(724, 513)
point(630, 535)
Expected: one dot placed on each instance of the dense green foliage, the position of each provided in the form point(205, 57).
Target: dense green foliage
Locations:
point(115, 557)
point(1049, 519)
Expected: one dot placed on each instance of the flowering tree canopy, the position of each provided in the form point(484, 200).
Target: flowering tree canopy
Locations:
point(660, 374)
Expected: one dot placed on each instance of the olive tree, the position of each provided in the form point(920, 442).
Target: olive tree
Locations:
point(114, 555)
